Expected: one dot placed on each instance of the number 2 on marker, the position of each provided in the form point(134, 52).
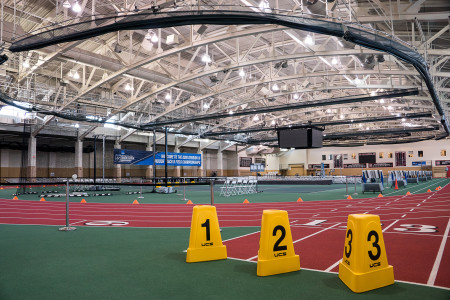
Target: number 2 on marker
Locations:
point(208, 232)
point(276, 246)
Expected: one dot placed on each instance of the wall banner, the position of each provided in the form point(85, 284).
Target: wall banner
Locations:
point(442, 162)
point(133, 157)
point(419, 163)
point(351, 166)
point(145, 158)
point(381, 165)
point(318, 166)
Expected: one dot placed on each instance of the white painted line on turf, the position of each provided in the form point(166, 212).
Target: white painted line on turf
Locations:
point(437, 262)
point(241, 236)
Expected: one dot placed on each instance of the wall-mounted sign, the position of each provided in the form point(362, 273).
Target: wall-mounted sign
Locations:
point(442, 162)
point(419, 163)
point(353, 166)
point(318, 166)
point(381, 165)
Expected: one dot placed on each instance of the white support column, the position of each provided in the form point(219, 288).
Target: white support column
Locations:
point(149, 168)
point(5, 163)
point(79, 158)
point(177, 168)
point(31, 168)
point(200, 169)
point(118, 167)
point(237, 162)
point(52, 164)
point(220, 163)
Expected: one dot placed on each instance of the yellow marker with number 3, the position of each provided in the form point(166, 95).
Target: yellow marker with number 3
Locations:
point(364, 265)
point(276, 251)
point(205, 241)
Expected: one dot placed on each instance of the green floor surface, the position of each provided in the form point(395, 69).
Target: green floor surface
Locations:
point(39, 262)
point(269, 193)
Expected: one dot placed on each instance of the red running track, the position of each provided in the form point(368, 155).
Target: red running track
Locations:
point(415, 228)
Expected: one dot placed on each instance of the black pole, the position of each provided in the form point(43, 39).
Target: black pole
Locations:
point(165, 155)
point(95, 159)
point(154, 158)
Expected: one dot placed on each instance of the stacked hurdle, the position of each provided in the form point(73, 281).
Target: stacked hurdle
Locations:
point(372, 181)
point(397, 176)
point(238, 186)
point(364, 265)
point(411, 177)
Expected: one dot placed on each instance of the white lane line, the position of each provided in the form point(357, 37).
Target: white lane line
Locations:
point(388, 203)
point(334, 209)
point(403, 216)
point(316, 215)
point(365, 213)
point(411, 209)
point(418, 204)
point(424, 200)
point(377, 207)
point(78, 222)
point(336, 263)
point(348, 206)
point(437, 262)
point(303, 238)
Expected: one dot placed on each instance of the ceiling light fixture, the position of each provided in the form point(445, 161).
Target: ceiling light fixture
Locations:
point(26, 64)
point(76, 75)
point(381, 100)
point(255, 118)
point(275, 87)
point(296, 96)
point(241, 72)
point(168, 97)
point(264, 4)
point(67, 4)
point(334, 61)
point(357, 81)
point(309, 40)
point(76, 7)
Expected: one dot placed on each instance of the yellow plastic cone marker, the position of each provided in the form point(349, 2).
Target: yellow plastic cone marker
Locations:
point(276, 251)
point(408, 193)
point(429, 191)
point(246, 201)
point(189, 202)
point(364, 265)
point(349, 197)
point(42, 200)
point(15, 198)
point(135, 202)
point(83, 201)
point(380, 195)
point(299, 199)
point(205, 241)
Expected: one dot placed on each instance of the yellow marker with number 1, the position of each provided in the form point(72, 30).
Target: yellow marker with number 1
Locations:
point(276, 250)
point(205, 242)
point(364, 265)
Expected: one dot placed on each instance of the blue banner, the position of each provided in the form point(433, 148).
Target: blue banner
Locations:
point(419, 163)
point(133, 157)
point(145, 158)
point(179, 159)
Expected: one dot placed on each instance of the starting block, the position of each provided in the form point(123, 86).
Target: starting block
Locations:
point(205, 241)
point(276, 250)
point(364, 265)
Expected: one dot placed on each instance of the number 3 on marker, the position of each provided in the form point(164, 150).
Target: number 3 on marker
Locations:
point(374, 244)
point(208, 232)
point(349, 233)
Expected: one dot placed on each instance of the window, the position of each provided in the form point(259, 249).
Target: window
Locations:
point(389, 154)
point(330, 157)
point(324, 157)
point(443, 153)
point(337, 159)
point(345, 156)
point(400, 159)
point(410, 153)
point(381, 155)
point(420, 153)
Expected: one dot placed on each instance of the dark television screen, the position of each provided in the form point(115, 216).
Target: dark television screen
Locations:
point(293, 138)
point(367, 158)
point(316, 138)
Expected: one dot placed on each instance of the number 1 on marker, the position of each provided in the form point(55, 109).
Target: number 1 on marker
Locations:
point(208, 232)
